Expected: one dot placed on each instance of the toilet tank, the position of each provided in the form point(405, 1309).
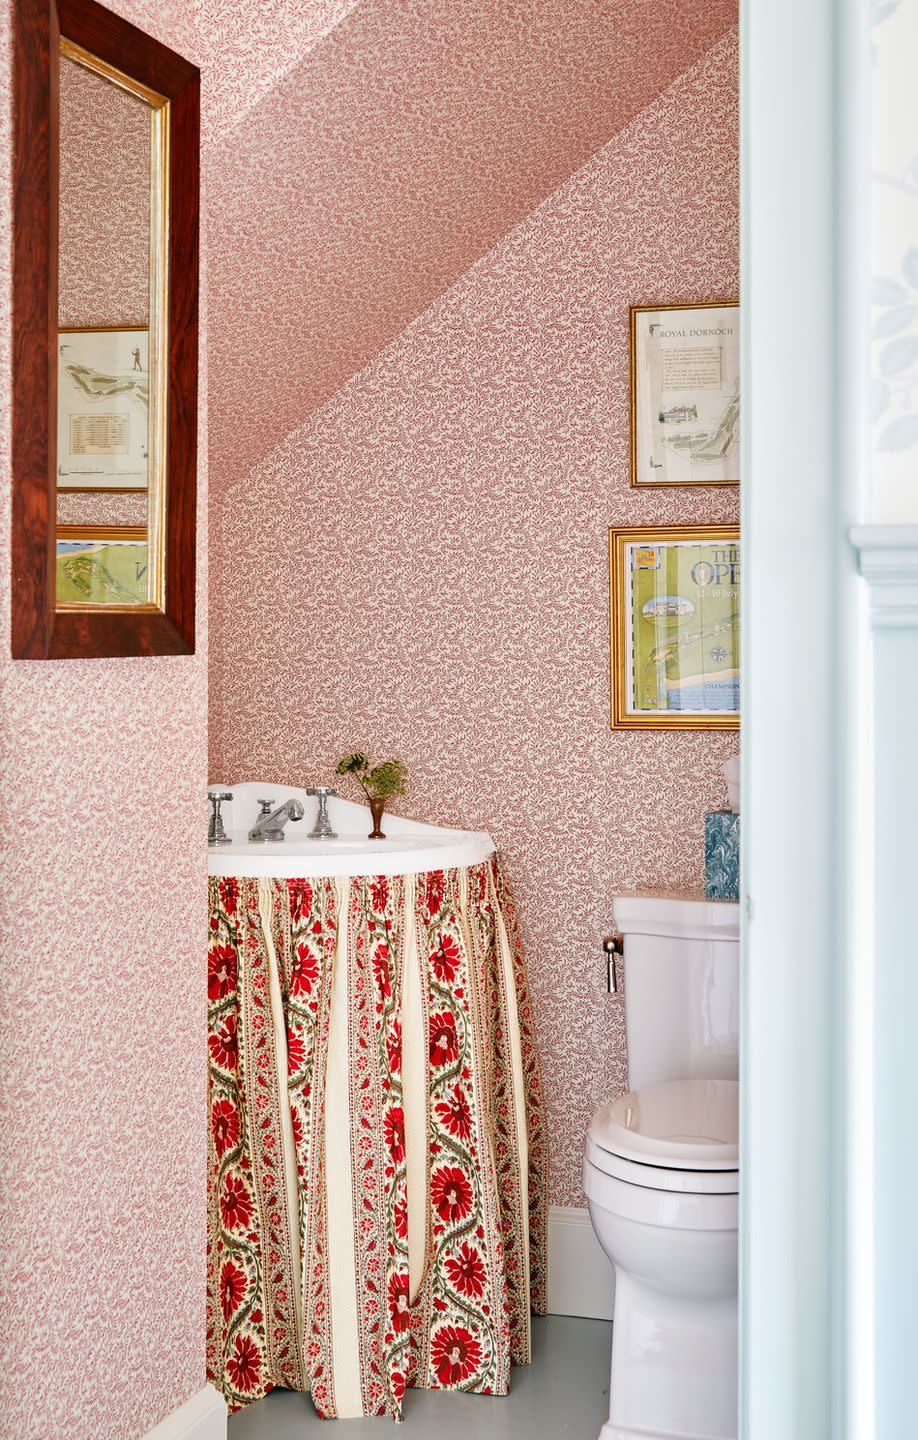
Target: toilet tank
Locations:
point(681, 986)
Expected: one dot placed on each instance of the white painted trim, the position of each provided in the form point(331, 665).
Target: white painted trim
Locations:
point(888, 560)
point(203, 1417)
point(887, 557)
point(580, 1276)
point(805, 269)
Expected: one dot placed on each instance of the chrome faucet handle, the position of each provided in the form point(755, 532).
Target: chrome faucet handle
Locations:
point(265, 806)
point(216, 835)
point(322, 829)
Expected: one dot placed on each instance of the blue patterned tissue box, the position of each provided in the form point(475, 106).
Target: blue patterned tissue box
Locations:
point(721, 855)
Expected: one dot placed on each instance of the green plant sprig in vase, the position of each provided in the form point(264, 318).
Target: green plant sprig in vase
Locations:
point(378, 782)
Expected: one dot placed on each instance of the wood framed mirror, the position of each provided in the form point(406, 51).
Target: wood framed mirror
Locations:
point(105, 336)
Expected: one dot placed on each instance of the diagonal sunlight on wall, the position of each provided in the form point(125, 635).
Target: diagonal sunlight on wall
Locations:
point(394, 155)
point(247, 45)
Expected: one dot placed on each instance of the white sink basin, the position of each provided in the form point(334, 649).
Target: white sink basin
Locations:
point(409, 847)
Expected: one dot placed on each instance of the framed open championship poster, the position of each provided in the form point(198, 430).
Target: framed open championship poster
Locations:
point(102, 565)
point(685, 394)
point(675, 627)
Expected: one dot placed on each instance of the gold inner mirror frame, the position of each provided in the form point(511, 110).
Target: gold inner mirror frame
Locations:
point(158, 351)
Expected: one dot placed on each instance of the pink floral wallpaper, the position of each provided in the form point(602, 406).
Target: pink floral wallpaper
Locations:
point(88, 509)
point(104, 243)
point(103, 917)
point(387, 161)
point(421, 566)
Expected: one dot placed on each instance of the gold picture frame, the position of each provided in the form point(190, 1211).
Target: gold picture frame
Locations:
point(685, 394)
point(674, 622)
point(112, 568)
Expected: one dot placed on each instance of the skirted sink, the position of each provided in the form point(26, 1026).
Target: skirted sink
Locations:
point(378, 1162)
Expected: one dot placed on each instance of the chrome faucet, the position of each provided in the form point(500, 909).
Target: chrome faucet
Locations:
point(270, 823)
point(322, 829)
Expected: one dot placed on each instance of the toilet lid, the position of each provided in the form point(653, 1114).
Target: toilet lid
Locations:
point(676, 1125)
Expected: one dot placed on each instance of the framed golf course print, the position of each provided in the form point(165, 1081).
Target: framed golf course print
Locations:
point(685, 394)
point(675, 627)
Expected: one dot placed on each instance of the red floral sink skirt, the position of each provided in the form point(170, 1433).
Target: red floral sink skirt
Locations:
point(377, 1155)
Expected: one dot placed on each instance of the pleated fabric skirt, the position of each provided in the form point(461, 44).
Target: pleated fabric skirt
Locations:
point(377, 1173)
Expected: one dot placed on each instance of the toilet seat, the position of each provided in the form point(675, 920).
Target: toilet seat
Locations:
point(680, 1135)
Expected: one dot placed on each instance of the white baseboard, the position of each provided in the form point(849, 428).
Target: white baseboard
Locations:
point(203, 1417)
point(580, 1276)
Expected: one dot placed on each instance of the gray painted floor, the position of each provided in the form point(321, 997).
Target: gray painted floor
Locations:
point(562, 1395)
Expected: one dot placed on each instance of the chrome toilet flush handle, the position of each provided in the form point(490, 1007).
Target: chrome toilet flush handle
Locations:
point(322, 829)
point(613, 945)
point(216, 835)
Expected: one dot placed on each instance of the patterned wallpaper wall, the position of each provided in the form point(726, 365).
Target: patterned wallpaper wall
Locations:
point(104, 242)
point(103, 917)
point(421, 568)
point(393, 156)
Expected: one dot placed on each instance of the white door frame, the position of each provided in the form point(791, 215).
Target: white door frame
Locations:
point(888, 560)
point(805, 1252)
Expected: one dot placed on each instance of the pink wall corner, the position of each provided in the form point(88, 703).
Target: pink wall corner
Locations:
point(421, 568)
point(103, 913)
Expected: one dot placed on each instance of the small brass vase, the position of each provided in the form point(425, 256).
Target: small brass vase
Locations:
point(376, 810)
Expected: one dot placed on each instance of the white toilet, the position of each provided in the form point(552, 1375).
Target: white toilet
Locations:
point(661, 1173)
